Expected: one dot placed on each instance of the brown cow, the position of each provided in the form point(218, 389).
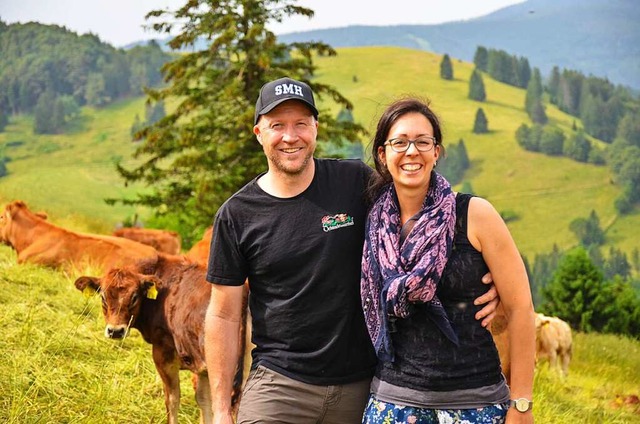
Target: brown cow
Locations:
point(162, 240)
point(199, 253)
point(553, 342)
point(166, 301)
point(38, 241)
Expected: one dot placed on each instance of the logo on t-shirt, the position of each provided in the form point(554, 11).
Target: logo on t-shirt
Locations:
point(330, 223)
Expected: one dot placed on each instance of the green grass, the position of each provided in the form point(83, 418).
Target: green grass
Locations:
point(70, 175)
point(57, 366)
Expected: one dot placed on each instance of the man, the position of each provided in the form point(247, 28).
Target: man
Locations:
point(296, 232)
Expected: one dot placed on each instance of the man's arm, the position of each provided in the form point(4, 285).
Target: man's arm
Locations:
point(490, 300)
point(222, 340)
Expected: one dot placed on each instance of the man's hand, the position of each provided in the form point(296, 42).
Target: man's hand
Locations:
point(490, 300)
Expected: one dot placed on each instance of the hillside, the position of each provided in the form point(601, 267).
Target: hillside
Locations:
point(547, 193)
point(58, 366)
point(591, 36)
point(69, 175)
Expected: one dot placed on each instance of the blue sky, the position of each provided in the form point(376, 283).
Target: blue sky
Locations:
point(120, 22)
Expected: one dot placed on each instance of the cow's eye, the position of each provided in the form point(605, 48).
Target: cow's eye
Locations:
point(134, 299)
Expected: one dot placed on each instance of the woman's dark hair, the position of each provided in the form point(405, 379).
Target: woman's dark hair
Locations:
point(391, 114)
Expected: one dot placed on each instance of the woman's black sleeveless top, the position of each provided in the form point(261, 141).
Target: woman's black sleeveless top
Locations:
point(425, 359)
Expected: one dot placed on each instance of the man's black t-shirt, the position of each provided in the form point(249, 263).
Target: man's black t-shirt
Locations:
point(302, 257)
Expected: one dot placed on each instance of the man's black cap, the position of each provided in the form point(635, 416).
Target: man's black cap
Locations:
point(275, 92)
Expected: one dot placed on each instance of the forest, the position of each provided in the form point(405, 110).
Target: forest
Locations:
point(50, 72)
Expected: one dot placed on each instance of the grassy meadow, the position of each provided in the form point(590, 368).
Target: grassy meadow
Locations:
point(57, 366)
point(69, 175)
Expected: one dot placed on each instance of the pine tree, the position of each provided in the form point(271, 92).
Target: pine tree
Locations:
point(554, 85)
point(476, 87)
point(446, 68)
point(534, 91)
point(577, 147)
point(481, 58)
point(44, 122)
point(204, 150)
point(480, 125)
point(588, 230)
point(538, 114)
point(575, 286)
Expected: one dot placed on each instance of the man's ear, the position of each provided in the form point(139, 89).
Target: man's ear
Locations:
point(256, 131)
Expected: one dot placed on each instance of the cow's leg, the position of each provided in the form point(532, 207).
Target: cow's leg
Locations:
point(566, 357)
point(553, 358)
point(168, 368)
point(203, 397)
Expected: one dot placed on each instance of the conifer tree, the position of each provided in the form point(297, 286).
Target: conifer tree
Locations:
point(481, 59)
point(480, 125)
point(575, 286)
point(538, 114)
point(446, 68)
point(476, 87)
point(204, 150)
point(534, 91)
point(48, 114)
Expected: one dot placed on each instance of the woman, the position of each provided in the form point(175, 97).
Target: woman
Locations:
point(425, 250)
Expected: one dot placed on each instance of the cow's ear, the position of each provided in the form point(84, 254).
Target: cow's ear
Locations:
point(88, 285)
point(42, 215)
point(150, 287)
point(14, 206)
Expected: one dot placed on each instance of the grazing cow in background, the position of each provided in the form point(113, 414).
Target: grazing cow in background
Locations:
point(554, 342)
point(166, 301)
point(38, 241)
point(498, 328)
point(161, 240)
point(199, 253)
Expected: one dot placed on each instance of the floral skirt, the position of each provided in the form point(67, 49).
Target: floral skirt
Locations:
point(378, 412)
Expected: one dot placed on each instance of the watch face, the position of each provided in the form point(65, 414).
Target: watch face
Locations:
point(522, 405)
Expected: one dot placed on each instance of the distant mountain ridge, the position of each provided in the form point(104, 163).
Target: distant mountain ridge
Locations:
point(595, 37)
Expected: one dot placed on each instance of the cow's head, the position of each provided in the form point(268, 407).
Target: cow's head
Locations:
point(122, 292)
point(10, 214)
point(6, 218)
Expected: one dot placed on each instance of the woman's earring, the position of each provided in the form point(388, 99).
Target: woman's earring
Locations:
point(435, 164)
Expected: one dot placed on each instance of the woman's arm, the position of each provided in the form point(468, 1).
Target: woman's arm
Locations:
point(489, 234)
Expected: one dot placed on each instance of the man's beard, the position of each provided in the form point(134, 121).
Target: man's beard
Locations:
point(285, 168)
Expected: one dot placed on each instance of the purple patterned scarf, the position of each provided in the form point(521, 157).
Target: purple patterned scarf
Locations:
point(394, 277)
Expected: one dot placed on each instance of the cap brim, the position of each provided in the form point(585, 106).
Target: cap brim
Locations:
point(273, 105)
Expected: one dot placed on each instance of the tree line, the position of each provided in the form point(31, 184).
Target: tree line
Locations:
point(49, 71)
point(607, 112)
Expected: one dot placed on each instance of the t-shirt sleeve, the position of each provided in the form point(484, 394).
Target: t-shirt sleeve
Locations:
point(227, 266)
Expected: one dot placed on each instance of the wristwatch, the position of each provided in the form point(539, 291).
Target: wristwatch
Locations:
point(521, 404)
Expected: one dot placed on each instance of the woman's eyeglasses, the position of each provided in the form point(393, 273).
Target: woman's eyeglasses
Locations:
point(424, 143)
